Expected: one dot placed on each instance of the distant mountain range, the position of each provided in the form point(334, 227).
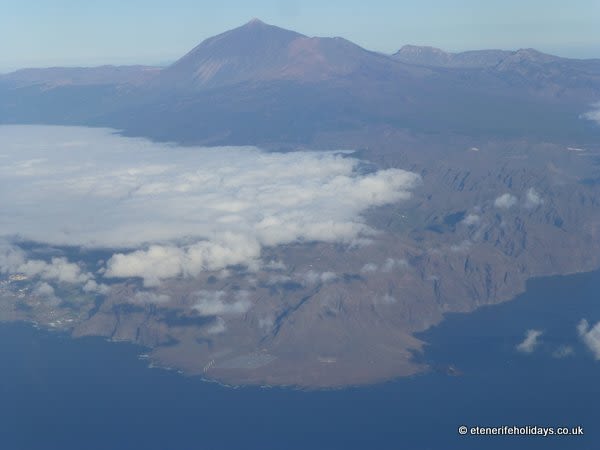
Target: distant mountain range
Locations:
point(260, 83)
point(476, 59)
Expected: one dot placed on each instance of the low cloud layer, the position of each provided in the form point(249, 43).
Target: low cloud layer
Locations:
point(179, 210)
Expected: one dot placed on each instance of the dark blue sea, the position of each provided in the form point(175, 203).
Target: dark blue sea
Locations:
point(86, 394)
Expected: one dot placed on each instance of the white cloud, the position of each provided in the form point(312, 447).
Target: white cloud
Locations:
point(369, 268)
point(217, 327)
point(149, 297)
point(93, 286)
point(14, 260)
point(278, 279)
point(57, 269)
point(590, 336)
point(505, 201)
point(593, 115)
point(275, 265)
point(181, 210)
point(530, 342)
point(266, 323)
point(464, 246)
point(389, 265)
point(386, 299)
point(11, 257)
point(312, 277)
point(532, 199)
point(471, 220)
point(43, 289)
point(160, 262)
point(213, 303)
point(46, 292)
point(563, 351)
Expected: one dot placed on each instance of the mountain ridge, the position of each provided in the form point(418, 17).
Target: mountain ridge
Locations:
point(484, 58)
point(257, 51)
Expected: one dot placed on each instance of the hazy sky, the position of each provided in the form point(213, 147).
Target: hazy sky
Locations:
point(72, 32)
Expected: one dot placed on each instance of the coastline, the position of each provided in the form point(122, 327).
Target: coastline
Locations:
point(144, 353)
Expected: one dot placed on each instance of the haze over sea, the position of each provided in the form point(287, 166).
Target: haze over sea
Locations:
point(87, 393)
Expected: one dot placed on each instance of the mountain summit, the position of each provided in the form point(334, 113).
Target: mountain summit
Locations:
point(252, 50)
point(258, 51)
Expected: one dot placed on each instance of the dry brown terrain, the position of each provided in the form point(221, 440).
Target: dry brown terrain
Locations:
point(332, 315)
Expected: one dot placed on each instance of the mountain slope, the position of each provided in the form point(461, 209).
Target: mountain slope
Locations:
point(260, 52)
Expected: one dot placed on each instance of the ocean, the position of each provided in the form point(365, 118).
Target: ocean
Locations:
point(74, 394)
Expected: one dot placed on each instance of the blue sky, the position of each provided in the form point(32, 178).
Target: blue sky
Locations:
point(71, 32)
